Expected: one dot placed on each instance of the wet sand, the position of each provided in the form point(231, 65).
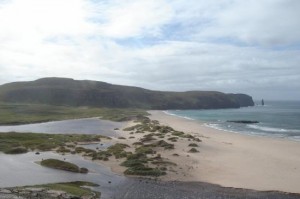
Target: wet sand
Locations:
point(150, 189)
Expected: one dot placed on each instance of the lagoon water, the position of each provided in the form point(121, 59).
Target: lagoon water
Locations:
point(76, 126)
point(276, 119)
point(22, 169)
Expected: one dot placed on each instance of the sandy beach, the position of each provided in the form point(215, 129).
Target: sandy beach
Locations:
point(234, 160)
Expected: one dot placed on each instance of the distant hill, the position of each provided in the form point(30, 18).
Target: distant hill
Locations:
point(65, 91)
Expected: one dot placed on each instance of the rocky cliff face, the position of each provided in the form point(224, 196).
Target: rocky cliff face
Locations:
point(243, 100)
point(63, 91)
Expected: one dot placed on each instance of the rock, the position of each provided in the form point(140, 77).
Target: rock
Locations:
point(243, 121)
point(10, 196)
point(83, 170)
point(37, 193)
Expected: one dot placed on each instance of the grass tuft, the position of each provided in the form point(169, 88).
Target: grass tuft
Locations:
point(62, 165)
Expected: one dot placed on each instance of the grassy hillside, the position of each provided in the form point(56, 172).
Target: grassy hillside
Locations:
point(12, 113)
point(64, 91)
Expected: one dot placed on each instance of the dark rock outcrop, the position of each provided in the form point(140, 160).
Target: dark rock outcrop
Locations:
point(243, 121)
point(242, 99)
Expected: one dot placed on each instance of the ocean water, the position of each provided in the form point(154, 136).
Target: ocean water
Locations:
point(276, 119)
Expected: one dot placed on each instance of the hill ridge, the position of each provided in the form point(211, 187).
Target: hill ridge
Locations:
point(70, 92)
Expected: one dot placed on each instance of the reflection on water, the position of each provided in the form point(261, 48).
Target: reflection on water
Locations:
point(79, 126)
point(20, 170)
point(98, 146)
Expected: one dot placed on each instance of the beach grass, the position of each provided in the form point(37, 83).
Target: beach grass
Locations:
point(16, 150)
point(144, 171)
point(12, 142)
point(63, 165)
point(77, 188)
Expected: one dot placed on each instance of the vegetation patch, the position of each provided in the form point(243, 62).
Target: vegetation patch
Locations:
point(193, 145)
point(62, 165)
point(189, 136)
point(178, 133)
point(197, 140)
point(132, 128)
point(84, 150)
point(14, 113)
point(162, 162)
point(134, 160)
point(173, 139)
point(63, 149)
point(137, 163)
point(145, 150)
point(118, 150)
point(77, 189)
point(164, 144)
point(133, 163)
point(101, 155)
point(138, 143)
point(16, 150)
point(193, 150)
point(147, 138)
point(152, 126)
point(18, 142)
point(144, 171)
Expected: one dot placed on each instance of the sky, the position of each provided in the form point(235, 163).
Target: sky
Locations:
point(233, 46)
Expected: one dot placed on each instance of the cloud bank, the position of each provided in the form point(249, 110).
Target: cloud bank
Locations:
point(225, 45)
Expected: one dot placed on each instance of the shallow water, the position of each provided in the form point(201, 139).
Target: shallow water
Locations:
point(276, 119)
point(97, 146)
point(21, 170)
point(77, 126)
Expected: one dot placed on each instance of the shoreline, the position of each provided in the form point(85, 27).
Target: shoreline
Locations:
point(207, 124)
point(238, 160)
point(226, 159)
point(47, 121)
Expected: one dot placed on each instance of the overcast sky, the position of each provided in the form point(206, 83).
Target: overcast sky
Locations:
point(234, 46)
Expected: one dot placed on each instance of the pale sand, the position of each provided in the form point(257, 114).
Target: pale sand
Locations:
point(227, 159)
point(233, 160)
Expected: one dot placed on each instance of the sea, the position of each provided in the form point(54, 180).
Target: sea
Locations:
point(279, 119)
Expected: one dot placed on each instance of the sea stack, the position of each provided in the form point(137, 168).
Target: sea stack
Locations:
point(262, 102)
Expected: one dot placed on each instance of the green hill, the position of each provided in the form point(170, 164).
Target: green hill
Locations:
point(64, 91)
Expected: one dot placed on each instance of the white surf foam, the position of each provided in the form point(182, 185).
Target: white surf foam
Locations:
point(272, 129)
point(172, 114)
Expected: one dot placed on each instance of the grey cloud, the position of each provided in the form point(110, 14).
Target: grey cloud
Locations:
point(265, 22)
point(197, 59)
